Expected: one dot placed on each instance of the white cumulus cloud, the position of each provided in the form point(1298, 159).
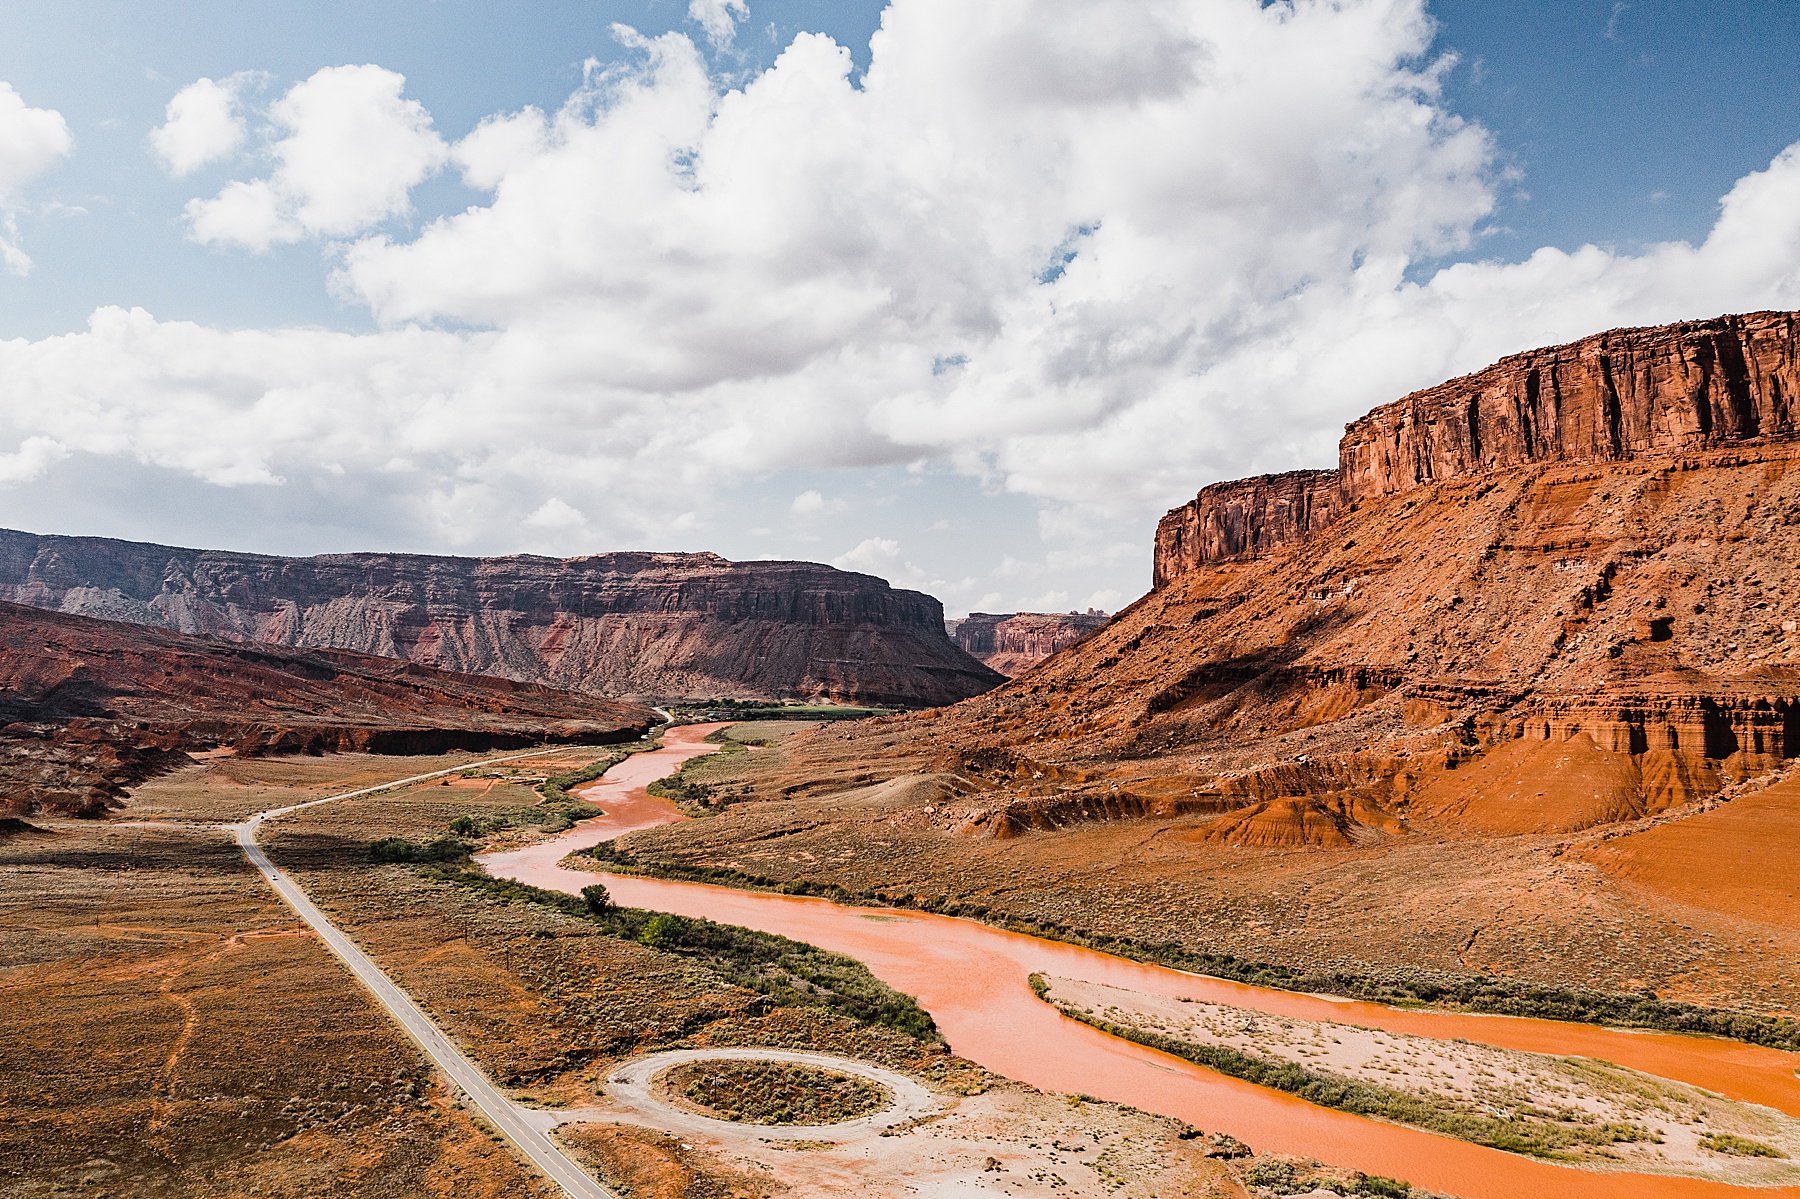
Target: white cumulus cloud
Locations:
point(31, 461)
point(348, 147)
point(1091, 256)
point(718, 18)
point(201, 125)
point(873, 555)
point(31, 141)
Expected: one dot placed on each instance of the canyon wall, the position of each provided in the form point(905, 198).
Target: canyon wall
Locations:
point(1242, 518)
point(1014, 642)
point(1561, 593)
point(639, 624)
point(1614, 396)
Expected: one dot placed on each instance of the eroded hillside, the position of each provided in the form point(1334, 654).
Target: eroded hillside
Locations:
point(90, 707)
point(1482, 711)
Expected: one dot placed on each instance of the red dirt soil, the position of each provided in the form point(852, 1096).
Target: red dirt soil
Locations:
point(1737, 859)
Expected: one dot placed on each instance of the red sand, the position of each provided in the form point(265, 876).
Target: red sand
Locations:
point(972, 979)
point(1737, 859)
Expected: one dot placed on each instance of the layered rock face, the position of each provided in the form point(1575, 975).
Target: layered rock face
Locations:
point(639, 624)
point(1242, 518)
point(1012, 643)
point(1618, 395)
point(89, 707)
point(1560, 593)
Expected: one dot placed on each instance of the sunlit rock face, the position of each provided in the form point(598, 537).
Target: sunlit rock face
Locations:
point(1607, 398)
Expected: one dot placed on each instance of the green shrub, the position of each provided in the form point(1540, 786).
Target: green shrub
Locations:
point(597, 898)
point(1552, 1135)
point(399, 849)
point(785, 972)
point(663, 931)
point(1736, 1146)
point(1273, 1174)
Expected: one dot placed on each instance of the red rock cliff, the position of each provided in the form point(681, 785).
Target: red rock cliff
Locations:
point(1015, 642)
point(1617, 395)
point(1243, 518)
point(671, 625)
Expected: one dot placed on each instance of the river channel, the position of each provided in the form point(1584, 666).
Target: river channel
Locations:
point(972, 979)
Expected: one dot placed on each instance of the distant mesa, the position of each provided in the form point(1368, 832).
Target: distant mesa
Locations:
point(1012, 643)
point(643, 625)
point(90, 707)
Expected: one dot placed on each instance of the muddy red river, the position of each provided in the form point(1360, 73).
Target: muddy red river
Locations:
point(972, 979)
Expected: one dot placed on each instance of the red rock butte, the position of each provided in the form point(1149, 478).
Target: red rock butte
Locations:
point(1627, 393)
point(1558, 593)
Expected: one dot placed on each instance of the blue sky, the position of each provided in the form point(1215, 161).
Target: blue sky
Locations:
point(1274, 206)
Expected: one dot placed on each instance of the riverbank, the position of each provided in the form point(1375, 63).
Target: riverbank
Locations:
point(972, 979)
point(1567, 1109)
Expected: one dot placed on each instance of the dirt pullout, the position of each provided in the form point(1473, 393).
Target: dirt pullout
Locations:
point(1564, 1108)
point(653, 1088)
point(1003, 1141)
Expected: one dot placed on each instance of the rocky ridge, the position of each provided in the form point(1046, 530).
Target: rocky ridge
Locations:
point(1560, 593)
point(90, 707)
point(1615, 396)
point(1012, 643)
point(626, 624)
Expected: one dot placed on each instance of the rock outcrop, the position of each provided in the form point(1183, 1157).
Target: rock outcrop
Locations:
point(90, 707)
point(1559, 593)
point(1243, 518)
point(1014, 642)
point(1615, 396)
point(627, 624)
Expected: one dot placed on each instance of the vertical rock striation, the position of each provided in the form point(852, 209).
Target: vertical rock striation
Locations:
point(1623, 394)
point(644, 624)
point(1013, 643)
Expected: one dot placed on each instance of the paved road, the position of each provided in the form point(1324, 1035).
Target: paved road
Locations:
point(505, 1115)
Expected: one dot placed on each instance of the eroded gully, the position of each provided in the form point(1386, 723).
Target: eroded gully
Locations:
point(972, 979)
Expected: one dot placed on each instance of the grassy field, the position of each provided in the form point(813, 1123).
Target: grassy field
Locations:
point(544, 994)
point(167, 1028)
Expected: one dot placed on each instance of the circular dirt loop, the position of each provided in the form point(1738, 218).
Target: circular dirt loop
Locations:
point(633, 1085)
